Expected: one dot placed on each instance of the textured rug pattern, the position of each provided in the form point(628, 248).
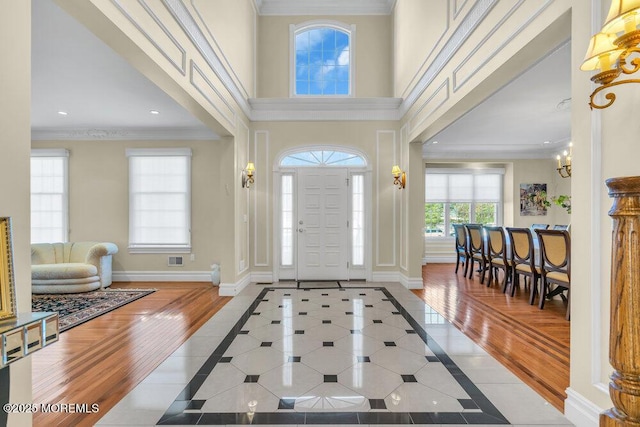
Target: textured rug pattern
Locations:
point(74, 309)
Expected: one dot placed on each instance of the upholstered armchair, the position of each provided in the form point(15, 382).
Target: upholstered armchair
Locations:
point(70, 267)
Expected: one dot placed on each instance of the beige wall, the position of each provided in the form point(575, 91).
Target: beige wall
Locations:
point(99, 200)
point(380, 143)
point(15, 86)
point(373, 76)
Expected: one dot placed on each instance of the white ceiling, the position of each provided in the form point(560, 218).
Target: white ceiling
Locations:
point(74, 71)
point(105, 97)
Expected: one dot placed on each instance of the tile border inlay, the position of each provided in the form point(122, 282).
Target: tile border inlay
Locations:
point(478, 408)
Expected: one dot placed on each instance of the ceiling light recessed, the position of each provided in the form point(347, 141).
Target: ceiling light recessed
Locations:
point(62, 113)
point(547, 142)
point(434, 142)
point(155, 112)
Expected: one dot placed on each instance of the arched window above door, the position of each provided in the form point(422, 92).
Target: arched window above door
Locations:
point(323, 157)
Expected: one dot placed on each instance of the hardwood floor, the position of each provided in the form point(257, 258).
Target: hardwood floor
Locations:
point(103, 359)
point(532, 343)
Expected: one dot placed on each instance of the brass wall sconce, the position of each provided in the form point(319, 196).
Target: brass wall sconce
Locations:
point(247, 175)
point(608, 50)
point(399, 177)
point(564, 169)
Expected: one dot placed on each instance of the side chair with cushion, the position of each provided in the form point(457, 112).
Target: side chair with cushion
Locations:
point(462, 250)
point(477, 250)
point(498, 257)
point(524, 260)
point(555, 255)
point(539, 226)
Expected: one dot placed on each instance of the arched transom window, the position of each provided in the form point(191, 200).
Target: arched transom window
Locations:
point(323, 59)
point(323, 158)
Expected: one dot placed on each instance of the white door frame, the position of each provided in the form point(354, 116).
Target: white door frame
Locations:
point(289, 273)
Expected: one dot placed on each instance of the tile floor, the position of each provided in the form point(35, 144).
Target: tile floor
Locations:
point(363, 354)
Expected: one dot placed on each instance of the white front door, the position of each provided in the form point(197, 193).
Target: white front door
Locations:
point(322, 229)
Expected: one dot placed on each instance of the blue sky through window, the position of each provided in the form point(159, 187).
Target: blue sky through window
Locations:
point(322, 62)
point(323, 158)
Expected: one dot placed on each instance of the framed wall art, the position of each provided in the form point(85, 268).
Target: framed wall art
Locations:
point(7, 284)
point(532, 199)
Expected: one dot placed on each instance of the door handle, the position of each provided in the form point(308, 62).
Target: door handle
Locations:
point(300, 230)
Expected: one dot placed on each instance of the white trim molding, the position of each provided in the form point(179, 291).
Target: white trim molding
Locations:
point(262, 277)
point(580, 411)
point(227, 289)
point(326, 7)
point(161, 276)
point(321, 109)
point(122, 134)
point(411, 282)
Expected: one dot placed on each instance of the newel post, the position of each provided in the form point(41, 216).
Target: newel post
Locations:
point(624, 335)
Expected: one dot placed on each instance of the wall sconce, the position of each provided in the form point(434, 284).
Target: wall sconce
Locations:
point(565, 169)
point(609, 49)
point(247, 175)
point(399, 177)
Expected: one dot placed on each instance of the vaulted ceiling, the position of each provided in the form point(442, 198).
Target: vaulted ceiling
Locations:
point(106, 98)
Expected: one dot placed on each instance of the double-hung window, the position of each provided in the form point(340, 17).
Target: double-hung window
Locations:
point(49, 196)
point(159, 200)
point(461, 196)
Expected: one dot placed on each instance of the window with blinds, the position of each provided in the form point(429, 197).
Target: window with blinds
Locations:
point(159, 200)
point(462, 196)
point(49, 196)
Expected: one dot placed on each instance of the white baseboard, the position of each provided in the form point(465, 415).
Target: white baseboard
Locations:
point(161, 276)
point(411, 282)
point(385, 276)
point(262, 277)
point(580, 411)
point(227, 289)
point(440, 259)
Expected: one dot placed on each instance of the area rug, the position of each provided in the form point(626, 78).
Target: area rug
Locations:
point(74, 309)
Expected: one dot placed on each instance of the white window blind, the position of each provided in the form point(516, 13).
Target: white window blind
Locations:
point(49, 196)
point(159, 200)
point(459, 187)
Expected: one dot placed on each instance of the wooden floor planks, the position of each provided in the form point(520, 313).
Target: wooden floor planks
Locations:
point(532, 343)
point(103, 359)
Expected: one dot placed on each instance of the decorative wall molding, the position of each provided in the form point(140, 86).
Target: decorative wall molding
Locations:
point(471, 21)
point(449, 259)
point(325, 7)
point(222, 56)
point(208, 90)
point(419, 71)
point(496, 47)
point(384, 182)
point(581, 411)
point(193, 31)
point(385, 276)
point(127, 134)
point(458, 6)
point(433, 102)
point(319, 109)
point(262, 190)
point(179, 65)
point(243, 253)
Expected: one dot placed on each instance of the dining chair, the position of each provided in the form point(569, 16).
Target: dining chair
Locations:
point(555, 255)
point(561, 227)
point(462, 247)
point(539, 226)
point(477, 250)
point(524, 260)
point(498, 257)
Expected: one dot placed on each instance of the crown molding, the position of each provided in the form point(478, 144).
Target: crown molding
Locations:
point(314, 109)
point(326, 7)
point(122, 134)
